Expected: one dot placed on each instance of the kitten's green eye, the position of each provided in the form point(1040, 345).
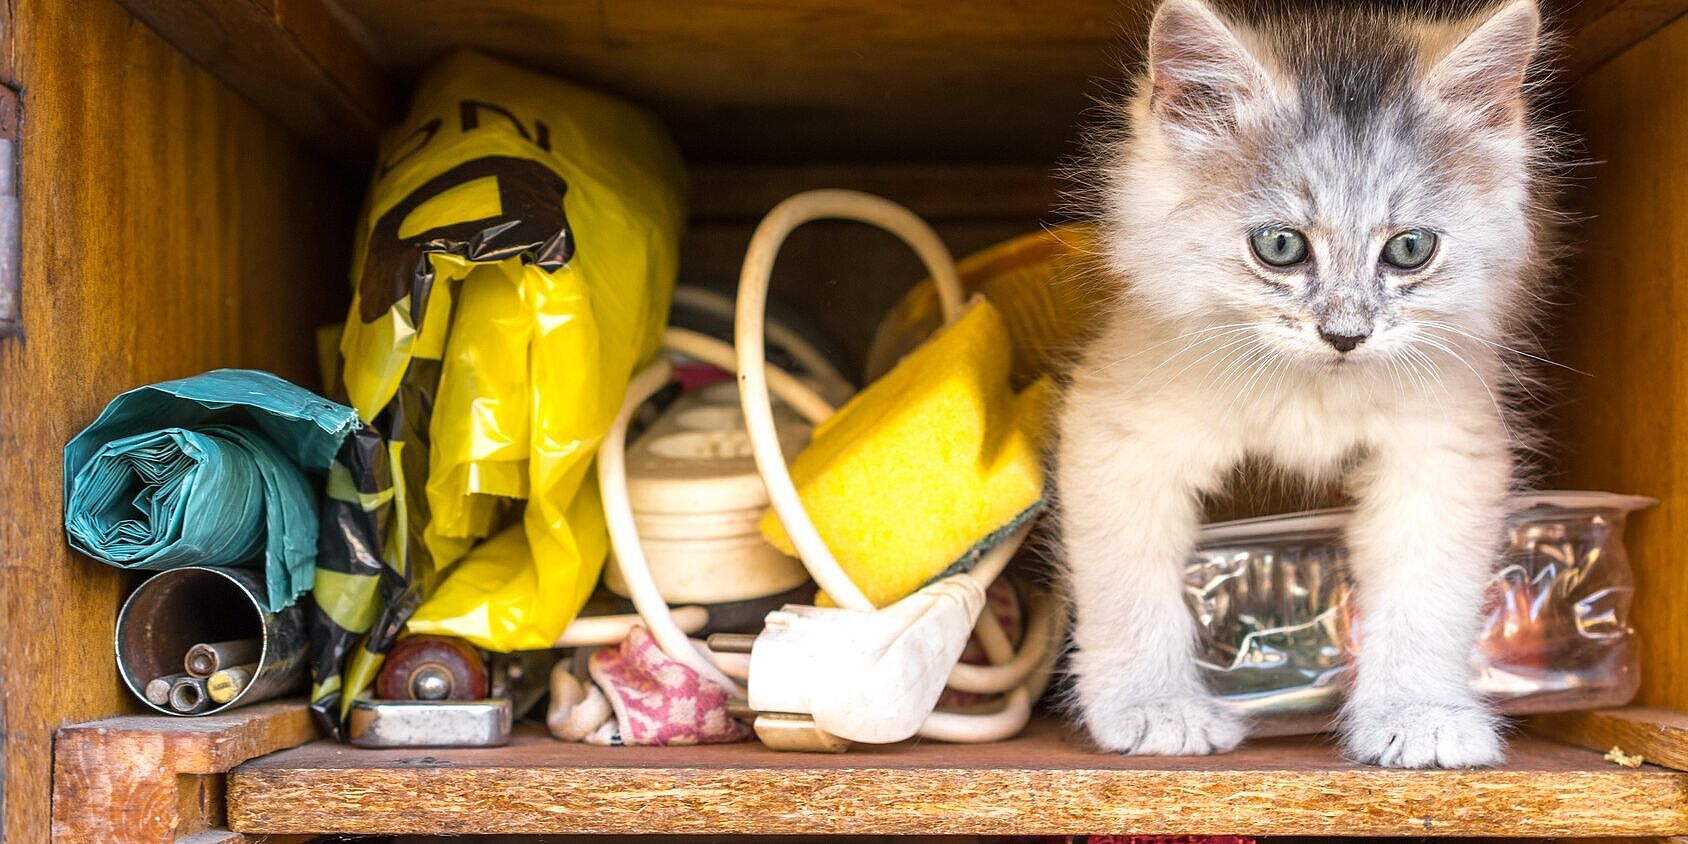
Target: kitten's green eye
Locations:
point(1410, 249)
point(1279, 247)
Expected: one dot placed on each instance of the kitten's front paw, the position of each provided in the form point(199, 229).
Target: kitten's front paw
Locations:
point(1417, 735)
point(1193, 726)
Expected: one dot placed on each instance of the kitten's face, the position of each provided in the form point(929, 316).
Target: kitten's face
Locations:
point(1337, 189)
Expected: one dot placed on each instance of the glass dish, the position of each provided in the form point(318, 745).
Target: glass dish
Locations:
point(1271, 601)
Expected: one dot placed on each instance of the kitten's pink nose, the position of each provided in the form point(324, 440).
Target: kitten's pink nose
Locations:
point(1343, 342)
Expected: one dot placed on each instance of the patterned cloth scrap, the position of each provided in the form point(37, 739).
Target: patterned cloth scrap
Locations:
point(660, 701)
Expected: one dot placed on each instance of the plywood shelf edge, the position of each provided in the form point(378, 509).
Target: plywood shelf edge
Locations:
point(1046, 782)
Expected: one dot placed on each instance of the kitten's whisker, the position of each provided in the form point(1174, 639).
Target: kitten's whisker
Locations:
point(1175, 376)
point(1070, 245)
point(1260, 365)
point(1500, 411)
point(1426, 374)
point(1210, 332)
point(1243, 365)
point(1446, 327)
point(1285, 367)
point(1193, 336)
point(1395, 374)
point(1518, 378)
point(1232, 364)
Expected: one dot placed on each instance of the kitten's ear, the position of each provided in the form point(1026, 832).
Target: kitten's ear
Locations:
point(1201, 72)
point(1485, 71)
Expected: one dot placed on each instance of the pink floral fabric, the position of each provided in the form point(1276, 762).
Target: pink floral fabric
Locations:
point(659, 701)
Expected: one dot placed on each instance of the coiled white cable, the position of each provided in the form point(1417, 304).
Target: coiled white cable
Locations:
point(600, 630)
point(809, 404)
point(834, 385)
point(993, 679)
point(1008, 672)
point(624, 533)
point(752, 360)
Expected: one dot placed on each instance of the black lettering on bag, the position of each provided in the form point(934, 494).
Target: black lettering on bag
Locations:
point(530, 223)
point(422, 135)
point(469, 115)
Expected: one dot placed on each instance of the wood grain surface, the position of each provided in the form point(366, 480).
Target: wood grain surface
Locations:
point(155, 778)
point(774, 81)
point(293, 59)
point(1042, 783)
point(1605, 28)
point(1624, 426)
point(169, 227)
point(750, 81)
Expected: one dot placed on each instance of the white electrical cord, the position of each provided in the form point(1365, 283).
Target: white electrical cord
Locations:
point(994, 679)
point(809, 404)
point(833, 383)
point(736, 666)
point(1008, 672)
point(624, 533)
point(594, 631)
point(752, 362)
point(996, 726)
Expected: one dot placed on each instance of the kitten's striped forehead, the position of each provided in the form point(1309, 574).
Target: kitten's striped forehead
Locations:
point(1355, 133)
point(1356, 69)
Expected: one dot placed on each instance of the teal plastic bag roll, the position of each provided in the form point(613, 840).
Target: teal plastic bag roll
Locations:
point(208, 471)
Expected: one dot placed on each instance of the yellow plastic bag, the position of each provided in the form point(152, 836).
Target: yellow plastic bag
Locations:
point(513, 267)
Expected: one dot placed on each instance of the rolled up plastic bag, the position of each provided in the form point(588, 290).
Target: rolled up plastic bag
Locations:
point(208, 471)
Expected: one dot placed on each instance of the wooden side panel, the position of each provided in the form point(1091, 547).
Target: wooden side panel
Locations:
point(168, 228)
point(289, 57)
point(1626, 427)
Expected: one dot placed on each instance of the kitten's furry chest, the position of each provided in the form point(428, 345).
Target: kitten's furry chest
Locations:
point(1307, 419)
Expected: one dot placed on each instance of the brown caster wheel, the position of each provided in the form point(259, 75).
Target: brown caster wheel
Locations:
point(432, 668)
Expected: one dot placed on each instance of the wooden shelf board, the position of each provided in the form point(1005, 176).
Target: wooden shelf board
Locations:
point(1046, 782)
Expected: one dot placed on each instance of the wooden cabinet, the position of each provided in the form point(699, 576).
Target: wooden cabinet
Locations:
point(189, 173)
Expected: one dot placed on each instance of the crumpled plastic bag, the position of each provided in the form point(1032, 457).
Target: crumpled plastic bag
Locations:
point(512, 269)
point(206, 471)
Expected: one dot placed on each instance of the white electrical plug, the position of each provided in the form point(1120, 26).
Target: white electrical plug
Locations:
point(867, 676)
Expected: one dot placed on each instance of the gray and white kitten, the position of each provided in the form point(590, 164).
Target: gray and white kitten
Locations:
point(1325, 231)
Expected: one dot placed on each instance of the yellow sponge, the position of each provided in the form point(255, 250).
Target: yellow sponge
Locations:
point(928, 464)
